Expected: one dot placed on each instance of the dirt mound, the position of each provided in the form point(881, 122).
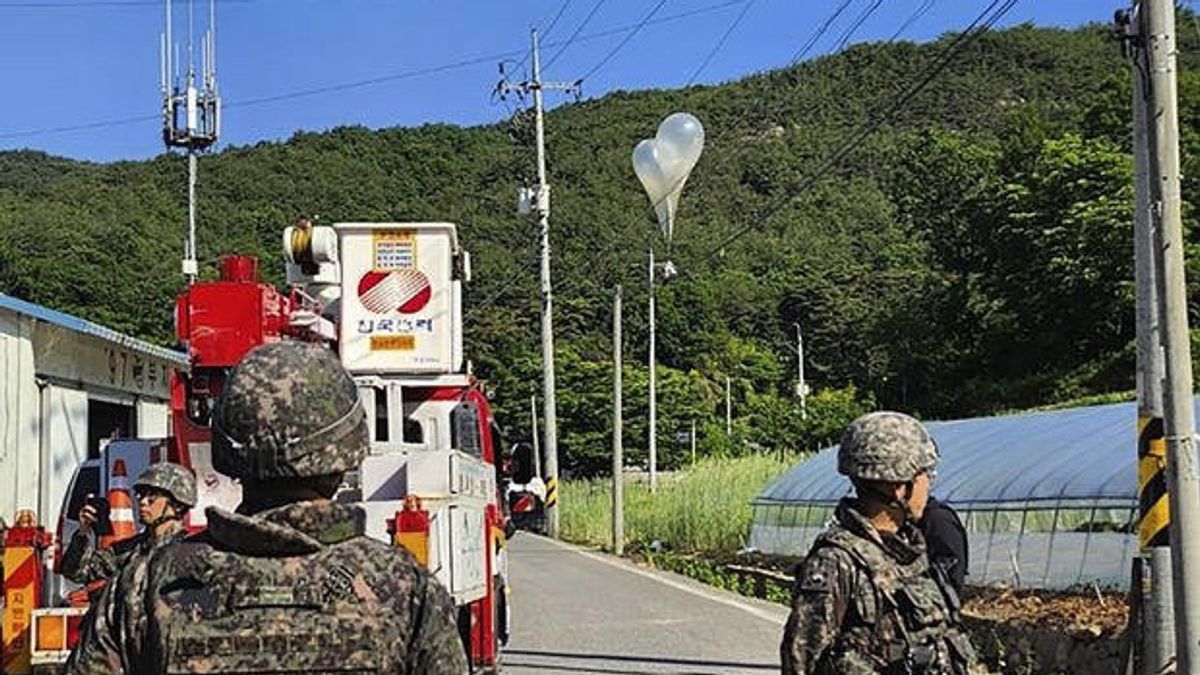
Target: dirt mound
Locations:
point(1092, 614)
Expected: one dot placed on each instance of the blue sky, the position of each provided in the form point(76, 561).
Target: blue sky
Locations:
point(66, 63)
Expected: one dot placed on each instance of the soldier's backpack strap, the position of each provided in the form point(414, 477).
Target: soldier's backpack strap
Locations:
point(418, 624)
point(856, 547)
point(906, 602)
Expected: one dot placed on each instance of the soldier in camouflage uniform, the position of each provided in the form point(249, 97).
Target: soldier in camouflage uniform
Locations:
point(289, 583)
point(864, 600)
point(165, 492)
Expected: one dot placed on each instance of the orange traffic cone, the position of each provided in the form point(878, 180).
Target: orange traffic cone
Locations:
point(120, 507)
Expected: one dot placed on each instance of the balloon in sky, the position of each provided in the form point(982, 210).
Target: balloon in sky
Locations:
point(663, 164)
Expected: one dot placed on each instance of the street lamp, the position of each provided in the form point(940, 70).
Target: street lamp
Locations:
point(663, 164)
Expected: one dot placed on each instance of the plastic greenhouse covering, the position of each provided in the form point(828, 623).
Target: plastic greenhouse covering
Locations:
point(1049, 499)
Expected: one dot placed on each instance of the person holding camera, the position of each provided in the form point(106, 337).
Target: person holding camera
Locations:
point(865, 601)
point(165, 492)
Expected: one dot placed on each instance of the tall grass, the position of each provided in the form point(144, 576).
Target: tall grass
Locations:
point(703, 508)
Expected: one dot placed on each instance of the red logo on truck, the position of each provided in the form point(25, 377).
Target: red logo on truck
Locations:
point(403, 290)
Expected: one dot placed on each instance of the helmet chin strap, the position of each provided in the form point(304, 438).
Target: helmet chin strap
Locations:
point(167, 515)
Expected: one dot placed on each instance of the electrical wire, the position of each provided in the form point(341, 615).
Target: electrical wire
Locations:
point(720, 43)
point(554, 22)
point(583, 24)
point(883, 114)
point(812, 40)
point(624, 41)
point(912, 18)
point(372, 81)
point(565, 280)
point(858, 22)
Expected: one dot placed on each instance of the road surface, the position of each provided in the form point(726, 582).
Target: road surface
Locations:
point(581, 612)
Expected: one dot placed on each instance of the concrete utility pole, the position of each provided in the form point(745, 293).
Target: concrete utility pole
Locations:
point(1158, 638)
point(693, 439)
point(549, 409)
point(653, 362)
point(618, 464)
point(801, 387)
point(1183, 481)
point(728, 408)
point(537, 451)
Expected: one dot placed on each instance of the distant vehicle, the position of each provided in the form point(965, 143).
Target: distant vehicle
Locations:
point(526, 491)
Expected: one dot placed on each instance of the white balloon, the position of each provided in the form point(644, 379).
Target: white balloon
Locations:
point(649, 170)
point(682, 137)
point(664, 163)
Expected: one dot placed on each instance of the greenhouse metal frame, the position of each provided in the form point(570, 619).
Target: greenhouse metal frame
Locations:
point(1049, 498)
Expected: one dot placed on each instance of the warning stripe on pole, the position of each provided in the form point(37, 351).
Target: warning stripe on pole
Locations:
point(1153, 507)
point(551, 491)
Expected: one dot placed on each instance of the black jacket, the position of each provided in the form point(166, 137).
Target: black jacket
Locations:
point(946, 539)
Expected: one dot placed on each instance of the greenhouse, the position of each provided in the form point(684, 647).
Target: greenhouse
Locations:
point(1049, 499)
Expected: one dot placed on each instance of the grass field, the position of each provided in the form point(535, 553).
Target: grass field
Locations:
point(705, 508)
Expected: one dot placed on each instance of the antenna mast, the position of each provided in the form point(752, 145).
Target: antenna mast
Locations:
point(191, 113)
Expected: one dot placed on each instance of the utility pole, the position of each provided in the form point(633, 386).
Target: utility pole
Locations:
point(537, 452)
point(549, 409)
point(728, 409)
point(618, 465)
point(653, 362)
point(1183, 481)
point(801, 387)
point(1157, 640)
point(191, 115)
point(693, 442)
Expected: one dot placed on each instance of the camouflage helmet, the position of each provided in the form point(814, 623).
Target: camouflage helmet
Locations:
point(288, 410)
point(176, 480)
point(886, 446)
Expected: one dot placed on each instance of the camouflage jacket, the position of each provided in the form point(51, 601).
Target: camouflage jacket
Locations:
point(83, 563)
point(864, 603)
point(298, 588)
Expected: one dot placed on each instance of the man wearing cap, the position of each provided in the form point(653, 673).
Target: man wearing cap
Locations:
point(165, 492)
point(289, 583)
point(864, 601)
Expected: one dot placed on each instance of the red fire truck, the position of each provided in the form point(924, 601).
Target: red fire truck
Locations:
point(388, 298)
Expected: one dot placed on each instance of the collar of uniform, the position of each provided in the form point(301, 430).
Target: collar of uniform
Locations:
point(906, 546)
point(295, 529)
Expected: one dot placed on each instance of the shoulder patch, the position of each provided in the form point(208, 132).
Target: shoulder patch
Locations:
point(820, 571)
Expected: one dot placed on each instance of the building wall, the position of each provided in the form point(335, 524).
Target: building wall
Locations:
point(48, 373)
point(20, 424)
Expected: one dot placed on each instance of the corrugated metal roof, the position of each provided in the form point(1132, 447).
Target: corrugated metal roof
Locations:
point(89, 328)
point(1075, 457)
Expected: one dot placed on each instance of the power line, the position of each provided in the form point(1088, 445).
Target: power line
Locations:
point(858, 22)
point(554, 22)
point(981, 24)
point(565, 280)
point(372, 81)
point(920, 12)
point(628, 36)
point(720, 43)
point(812, 40)
point(595, 8)
point(397, 76)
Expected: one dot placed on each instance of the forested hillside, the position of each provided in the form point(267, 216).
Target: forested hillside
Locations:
point(973, 255)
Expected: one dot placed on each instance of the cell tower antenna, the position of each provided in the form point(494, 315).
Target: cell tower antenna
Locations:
point(191, 113)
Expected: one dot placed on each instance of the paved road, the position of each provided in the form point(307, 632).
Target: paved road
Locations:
point(580, 612)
